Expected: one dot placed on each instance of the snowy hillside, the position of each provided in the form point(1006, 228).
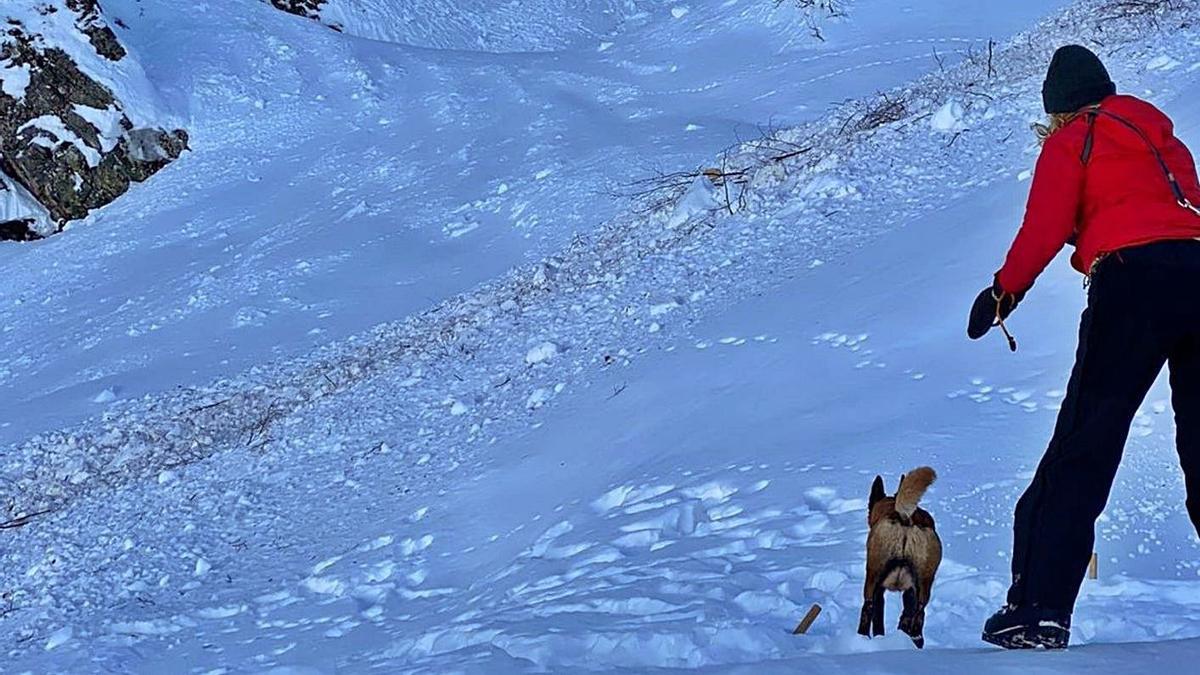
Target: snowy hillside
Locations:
point(311, 185)
point(414, 391)
point(474, 25)
point(537, 27)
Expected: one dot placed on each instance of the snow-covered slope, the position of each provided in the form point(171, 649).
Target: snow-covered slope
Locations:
point(533, 27)
point(481, 25)
point(649, 450)
point(337, 183)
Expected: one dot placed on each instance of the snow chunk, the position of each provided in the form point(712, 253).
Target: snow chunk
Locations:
point(59, 637)
point(949, 117)
point(224, 612)
point(1162, 62)
point(202, 567)
point(325, 564)
point(541, 353)
point(538, 398)
point(698, 200)
point(325, 586)
point(14, 80)
point(146, 628)
point(663, 308)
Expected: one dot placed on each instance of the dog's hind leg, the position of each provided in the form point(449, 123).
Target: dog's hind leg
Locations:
point(912, 618)
point(877, 603)
point(873, 601)
point(868, 608)
point(924, 591)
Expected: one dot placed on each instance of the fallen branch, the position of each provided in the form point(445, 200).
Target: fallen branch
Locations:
point(22, 521)
point(877, 112)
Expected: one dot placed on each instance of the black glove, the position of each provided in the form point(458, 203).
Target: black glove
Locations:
point(991, 308)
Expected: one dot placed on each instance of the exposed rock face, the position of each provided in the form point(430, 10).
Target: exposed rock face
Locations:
point(68, 145)
point(102, 38)
point(309, 9)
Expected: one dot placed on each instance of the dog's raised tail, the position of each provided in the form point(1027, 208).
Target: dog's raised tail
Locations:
point(913, 487)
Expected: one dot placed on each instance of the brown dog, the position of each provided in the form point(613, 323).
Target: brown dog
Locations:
point(903, 554)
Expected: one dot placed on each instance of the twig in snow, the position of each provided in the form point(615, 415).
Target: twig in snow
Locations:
point(879, 111)
point(22, 521)
point(830, 8)
point(972, 92)
point(617, 391)
point(1125, 9)
point(259, 432)
point(9, 605)
point(211, 405)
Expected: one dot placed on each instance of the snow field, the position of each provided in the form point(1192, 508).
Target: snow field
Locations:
point(686, 492)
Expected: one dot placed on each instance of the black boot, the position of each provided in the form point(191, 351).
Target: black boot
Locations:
point(1028, 628)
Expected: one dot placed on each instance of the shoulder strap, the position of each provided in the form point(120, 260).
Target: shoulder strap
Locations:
point(1176, 189)
point(1088, 140)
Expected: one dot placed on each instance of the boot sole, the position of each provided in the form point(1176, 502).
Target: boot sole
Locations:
point(1030, 637)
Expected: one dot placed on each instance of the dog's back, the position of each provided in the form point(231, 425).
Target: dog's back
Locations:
point(903, 553)
point(903, 541)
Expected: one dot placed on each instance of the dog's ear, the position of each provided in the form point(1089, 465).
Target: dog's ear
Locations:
point(900, 483)
point(877, 493)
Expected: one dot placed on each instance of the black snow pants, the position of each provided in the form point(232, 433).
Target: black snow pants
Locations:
point(1143, 311)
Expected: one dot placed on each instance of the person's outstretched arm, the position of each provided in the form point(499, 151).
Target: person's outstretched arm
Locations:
point(1050, 216)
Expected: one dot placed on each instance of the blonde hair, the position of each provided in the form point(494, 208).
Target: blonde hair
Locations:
point(1053, 124)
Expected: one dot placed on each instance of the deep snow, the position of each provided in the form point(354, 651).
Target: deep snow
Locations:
point(660, 469)
point(329, 169)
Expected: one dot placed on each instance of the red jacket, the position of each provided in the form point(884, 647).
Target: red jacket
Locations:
point(1120, 198)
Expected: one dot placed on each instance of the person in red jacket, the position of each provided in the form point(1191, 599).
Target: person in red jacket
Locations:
point(1113, 180)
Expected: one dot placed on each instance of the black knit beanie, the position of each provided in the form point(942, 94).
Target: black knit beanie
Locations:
point(1076, 79)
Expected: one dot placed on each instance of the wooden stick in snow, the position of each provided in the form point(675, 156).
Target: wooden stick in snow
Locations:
point(808, 620)
point(1094, 567)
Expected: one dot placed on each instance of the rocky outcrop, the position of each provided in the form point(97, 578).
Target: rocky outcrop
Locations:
point(309, 9)
point(101, 37)
point(68, 143)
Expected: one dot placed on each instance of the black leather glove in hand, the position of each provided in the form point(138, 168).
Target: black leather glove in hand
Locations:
point(991, 308)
